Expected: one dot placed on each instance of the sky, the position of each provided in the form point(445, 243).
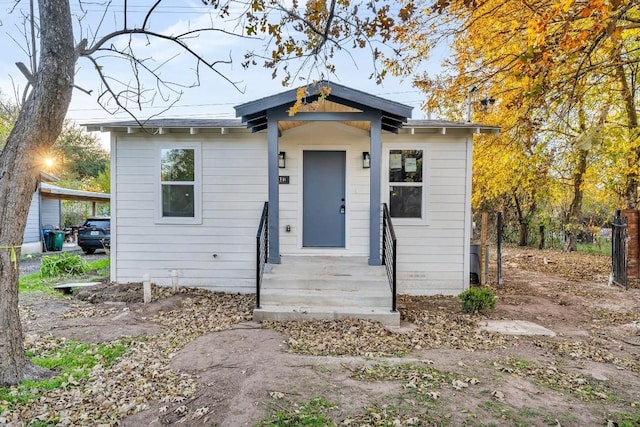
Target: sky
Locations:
point(214, 98)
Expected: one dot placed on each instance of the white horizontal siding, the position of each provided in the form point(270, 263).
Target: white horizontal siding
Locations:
point(32, 232)
point(50, 212)
point(194, 240)
point(219, 253)
point(446, 190)
point(431, 257)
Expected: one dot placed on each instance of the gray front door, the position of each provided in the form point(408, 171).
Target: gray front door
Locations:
point(323, 198)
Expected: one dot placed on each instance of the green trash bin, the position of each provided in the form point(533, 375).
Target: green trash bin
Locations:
point(47, 238)
point(56, 240)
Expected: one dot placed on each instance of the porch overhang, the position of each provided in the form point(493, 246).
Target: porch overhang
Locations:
point(325, 101)
point(342, 104)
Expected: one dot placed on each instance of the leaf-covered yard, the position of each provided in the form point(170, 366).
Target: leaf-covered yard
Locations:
point(195, 358)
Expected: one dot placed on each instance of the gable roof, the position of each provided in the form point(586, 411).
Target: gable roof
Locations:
point(342, 104)
point(394, 114)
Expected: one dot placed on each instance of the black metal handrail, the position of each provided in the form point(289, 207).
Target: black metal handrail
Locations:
point(389, 250)
point(262, 249)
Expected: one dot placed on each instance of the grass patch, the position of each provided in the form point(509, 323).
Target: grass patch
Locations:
point(311, 414)
point(497, 409)
point(31, 283)
point(394, 415)
point(34, 282)
point(501, 411)
point(423, 381)
point(549, 375)
point(594, 249)
point(564, 419)
point(316, 413)
point(72, 361)
point(101, 268)
point(404, 372)
point(626, 419)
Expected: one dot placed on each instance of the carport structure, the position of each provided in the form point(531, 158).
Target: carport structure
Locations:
point(49, 191)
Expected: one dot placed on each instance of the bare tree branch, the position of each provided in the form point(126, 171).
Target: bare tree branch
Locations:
point(146, 18)
point(25, 72)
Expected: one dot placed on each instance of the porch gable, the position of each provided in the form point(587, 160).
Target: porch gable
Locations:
point(344, 105)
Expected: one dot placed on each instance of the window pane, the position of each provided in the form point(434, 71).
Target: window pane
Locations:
point(178, 201)
point(405, 166)
point(405, 202)
point(177, 164)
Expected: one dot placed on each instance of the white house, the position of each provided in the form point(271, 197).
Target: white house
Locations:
point(188, 197)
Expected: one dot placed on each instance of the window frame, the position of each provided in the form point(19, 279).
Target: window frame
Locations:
point(197, 182)
point(386, 186)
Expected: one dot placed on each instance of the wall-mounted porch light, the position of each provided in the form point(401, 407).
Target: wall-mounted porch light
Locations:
point(366, 160)
point(282, 160)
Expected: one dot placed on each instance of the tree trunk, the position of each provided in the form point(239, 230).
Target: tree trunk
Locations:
point(541, 234)
point(524, 233)
point(523, 219)
point(575, 209)
point(37, 127)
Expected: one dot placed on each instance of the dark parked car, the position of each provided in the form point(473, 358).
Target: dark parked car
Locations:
point(94, 234)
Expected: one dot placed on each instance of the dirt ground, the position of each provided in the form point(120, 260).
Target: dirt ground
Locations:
point(197, 359)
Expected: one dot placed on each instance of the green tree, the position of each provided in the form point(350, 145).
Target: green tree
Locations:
point(77, 154)
point(102, 182)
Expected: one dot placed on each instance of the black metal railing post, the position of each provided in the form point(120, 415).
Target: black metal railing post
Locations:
point(619, 249)
point(384, 233)
point(265, 252)
point(389, 251)
point(258, 271)
point(262, 249)
point(394, 290)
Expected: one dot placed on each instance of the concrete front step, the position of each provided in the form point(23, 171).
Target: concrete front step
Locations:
point(314, 297)
point(325, 288)
point(295, 313)
point(328, 283)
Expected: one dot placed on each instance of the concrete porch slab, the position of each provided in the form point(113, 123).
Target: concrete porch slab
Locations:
point(282, 314)
point(515, 327)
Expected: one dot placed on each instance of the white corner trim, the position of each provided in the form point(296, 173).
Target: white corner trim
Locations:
point(467, 215)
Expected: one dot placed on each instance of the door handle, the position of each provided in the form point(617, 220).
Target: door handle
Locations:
point(342, 209)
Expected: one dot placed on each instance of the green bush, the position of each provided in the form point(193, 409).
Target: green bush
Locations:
point(63, 265)
point(476, 300)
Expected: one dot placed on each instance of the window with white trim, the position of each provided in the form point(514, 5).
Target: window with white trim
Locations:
point(179, 179)
point(406, 184)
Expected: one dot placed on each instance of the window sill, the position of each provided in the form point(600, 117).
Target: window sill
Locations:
point(409, 221)
point(178, 221)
